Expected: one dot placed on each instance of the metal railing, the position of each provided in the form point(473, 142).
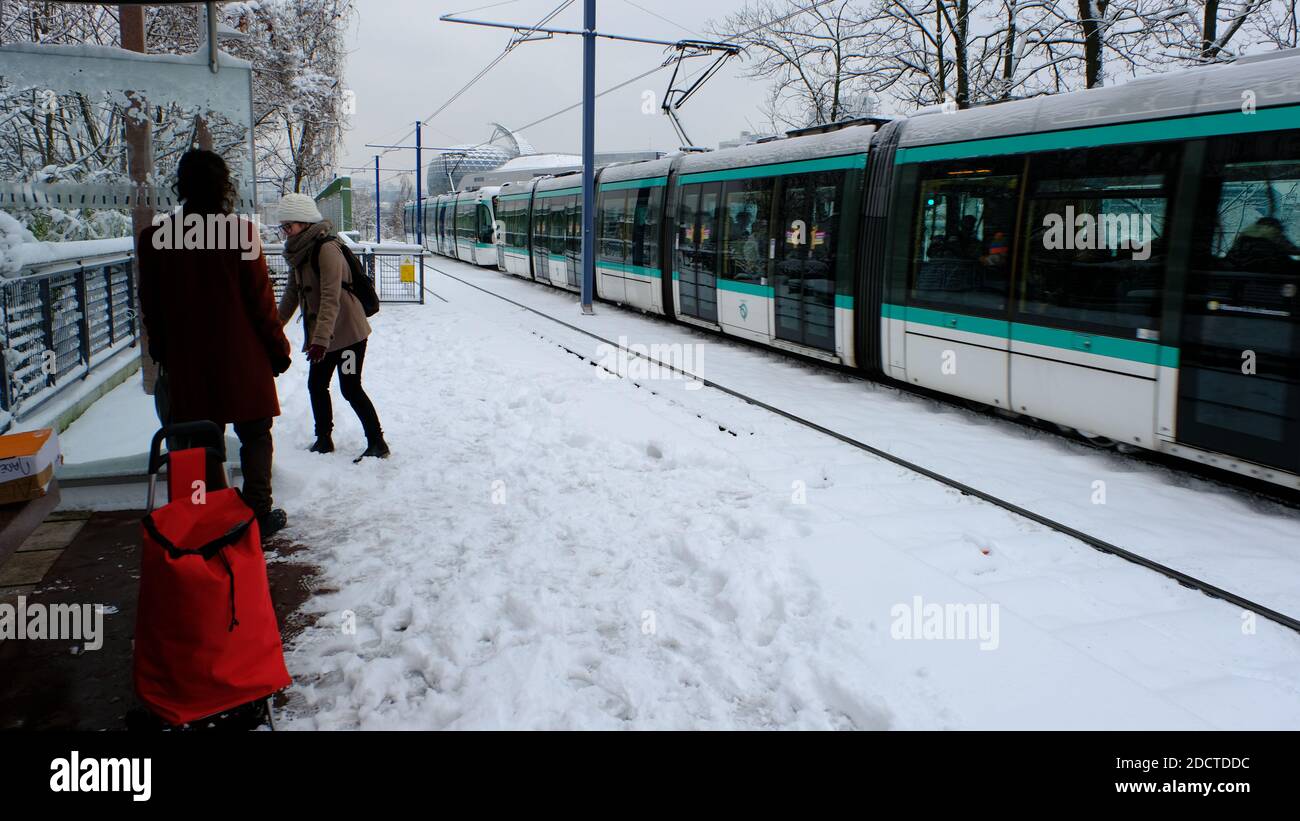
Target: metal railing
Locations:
point(59, 321)
point(58, 324)
point(384, 264)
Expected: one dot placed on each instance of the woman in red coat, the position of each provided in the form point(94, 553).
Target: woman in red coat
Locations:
point(212, 322)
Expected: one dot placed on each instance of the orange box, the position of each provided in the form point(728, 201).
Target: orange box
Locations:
point(27, 462)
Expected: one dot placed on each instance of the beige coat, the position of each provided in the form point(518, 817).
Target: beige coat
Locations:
point(332, 316)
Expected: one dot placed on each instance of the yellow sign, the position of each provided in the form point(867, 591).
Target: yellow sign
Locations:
point(407, 269)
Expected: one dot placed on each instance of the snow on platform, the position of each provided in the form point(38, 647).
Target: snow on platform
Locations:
point(552, 548)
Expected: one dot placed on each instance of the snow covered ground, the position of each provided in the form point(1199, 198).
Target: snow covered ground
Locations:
point(552, 548)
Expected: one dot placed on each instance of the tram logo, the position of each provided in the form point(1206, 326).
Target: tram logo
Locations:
point(1098, 232)
point(744, 311)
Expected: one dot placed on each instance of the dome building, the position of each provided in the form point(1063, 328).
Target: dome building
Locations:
point(447, 168)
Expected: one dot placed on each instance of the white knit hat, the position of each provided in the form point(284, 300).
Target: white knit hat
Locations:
point(297, 208)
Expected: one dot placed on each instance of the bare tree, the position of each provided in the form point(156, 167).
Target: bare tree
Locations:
point(297, 48)
point(1202, 31)
point(363, 212)
point(393, 227)
point(1277, 24)
point(806, 56)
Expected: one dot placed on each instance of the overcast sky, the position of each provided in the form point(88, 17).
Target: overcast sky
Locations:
point(404, 64)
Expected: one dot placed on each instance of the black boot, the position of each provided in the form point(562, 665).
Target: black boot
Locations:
point(323, 444)
point(377, 449)
point(272, 522)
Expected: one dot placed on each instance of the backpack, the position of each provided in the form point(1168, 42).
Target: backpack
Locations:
point(362, 286)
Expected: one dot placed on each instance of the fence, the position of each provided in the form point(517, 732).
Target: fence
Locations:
point(58, 325)
point(384, 264)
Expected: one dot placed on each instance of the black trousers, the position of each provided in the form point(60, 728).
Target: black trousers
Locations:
point(347, 361)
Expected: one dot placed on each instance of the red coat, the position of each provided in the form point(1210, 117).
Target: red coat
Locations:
point(213, 325)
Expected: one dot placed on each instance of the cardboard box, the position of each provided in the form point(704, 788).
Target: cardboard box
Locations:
point(27, 462)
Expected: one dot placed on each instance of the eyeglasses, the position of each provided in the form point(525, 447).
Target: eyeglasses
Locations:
point(285, 228)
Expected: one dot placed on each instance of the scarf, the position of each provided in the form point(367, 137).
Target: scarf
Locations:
point(297, 249)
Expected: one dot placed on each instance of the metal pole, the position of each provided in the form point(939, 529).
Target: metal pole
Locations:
point(377, 237)
point(139, 161)
point(419, 206)
point(588, 154)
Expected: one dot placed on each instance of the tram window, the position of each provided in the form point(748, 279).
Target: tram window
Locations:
point(685, 242)
point(1243, 304)
point(465, 221)
point(539, 226)
point(520, 222)
point(1095, 252)
point(506, 211)
point(484, 224)
point(690, 203)
point(746, 213)
point(506, 216)
point(707, 231)
point(1255, 227)
point(555, 225)
point(961, 254)
point(574, 240)
point(645, 238)
point(611, 226)
point(823, 234)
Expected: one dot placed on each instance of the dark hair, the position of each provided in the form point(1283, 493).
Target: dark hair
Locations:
point(203, 183)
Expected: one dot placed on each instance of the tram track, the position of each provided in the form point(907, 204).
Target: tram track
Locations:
point(1101, 545)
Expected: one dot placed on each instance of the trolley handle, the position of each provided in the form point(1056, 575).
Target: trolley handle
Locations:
point(195, 432)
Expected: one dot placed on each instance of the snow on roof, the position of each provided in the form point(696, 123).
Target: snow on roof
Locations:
point(531, 161)
point(1200, 90)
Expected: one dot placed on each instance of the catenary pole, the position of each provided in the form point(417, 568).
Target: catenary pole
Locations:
point(588, 154)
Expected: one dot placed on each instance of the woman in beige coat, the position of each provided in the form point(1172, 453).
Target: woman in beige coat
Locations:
point(335, 324)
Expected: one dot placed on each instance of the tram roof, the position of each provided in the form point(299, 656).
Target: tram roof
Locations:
point(1273, 80)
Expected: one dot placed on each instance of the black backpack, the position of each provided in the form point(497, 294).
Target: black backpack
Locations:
point(362, 286)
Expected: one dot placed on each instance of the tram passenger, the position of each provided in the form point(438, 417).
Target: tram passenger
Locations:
point(1264, 248)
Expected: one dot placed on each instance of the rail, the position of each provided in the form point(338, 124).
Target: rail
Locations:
point(59, 321)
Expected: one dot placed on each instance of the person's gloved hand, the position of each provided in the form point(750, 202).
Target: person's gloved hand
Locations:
point(280, 364)
point(315, 353)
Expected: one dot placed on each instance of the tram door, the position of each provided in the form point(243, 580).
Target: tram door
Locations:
point(803, 276)
point(541, 238)
point(573, 247)
point(1239, 380)
point(697, 251)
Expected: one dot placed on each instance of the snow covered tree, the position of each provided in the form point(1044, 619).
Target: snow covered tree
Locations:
point(295, 47)
point(393, 227)
point(807, 57)
point(363, 212)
